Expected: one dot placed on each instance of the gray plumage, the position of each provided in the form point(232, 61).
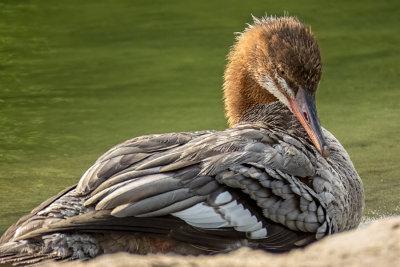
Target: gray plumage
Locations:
point(254, 179)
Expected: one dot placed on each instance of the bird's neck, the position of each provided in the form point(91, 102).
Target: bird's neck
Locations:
point(241, 91)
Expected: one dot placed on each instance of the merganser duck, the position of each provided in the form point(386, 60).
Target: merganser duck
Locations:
point(276, 180)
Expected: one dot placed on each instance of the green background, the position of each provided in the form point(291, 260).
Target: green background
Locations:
point(77, 77)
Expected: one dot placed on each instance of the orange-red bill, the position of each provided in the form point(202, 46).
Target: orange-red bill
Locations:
point(303, 107)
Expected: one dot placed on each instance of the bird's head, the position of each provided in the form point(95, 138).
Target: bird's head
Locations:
point(276, 59)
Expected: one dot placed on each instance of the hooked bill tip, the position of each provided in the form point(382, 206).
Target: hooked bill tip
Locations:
point(325, 151)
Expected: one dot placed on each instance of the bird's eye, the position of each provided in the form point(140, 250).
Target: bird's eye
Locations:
point(280, 70)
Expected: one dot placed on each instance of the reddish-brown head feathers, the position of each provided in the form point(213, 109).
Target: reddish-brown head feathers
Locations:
point(270, 51)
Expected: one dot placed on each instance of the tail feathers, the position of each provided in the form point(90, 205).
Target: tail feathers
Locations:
point(23, 253)
point(27, 259)
point(55, 246)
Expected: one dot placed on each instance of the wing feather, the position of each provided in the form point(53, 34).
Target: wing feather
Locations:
point(138, 189)
point(245, 184)
point(262, 165)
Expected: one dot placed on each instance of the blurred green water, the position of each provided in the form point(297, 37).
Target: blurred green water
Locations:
point(77, 77)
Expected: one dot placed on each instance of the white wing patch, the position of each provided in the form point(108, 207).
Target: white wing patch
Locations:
point(227, 212)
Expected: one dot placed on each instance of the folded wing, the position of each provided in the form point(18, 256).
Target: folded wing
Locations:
point(214, 190)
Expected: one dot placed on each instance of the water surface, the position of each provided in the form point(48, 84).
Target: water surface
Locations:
point(77, 77)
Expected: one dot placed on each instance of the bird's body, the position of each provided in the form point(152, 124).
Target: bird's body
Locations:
point(265, 183)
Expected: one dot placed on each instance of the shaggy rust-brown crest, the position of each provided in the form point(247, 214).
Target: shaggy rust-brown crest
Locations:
point(270, 49)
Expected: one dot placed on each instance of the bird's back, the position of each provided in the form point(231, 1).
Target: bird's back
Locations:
point(260, 184)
